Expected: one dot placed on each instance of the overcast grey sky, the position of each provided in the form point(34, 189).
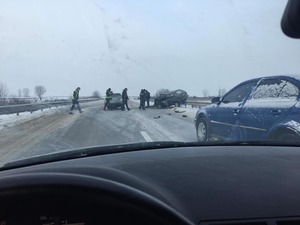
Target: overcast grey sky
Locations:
point(96, 44)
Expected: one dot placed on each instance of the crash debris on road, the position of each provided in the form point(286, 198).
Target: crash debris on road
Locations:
point(178, 111)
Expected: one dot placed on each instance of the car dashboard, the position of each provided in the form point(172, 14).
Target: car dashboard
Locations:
point(238, 185)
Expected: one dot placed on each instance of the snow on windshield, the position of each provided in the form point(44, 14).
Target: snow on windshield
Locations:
point(270, 103)
point(289, 90)
point(283, 89)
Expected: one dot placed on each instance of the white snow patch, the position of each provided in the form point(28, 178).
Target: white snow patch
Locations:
point(294, 124)
point(10, 120)
point(297, 105)
point(188, 109)
point(279, 103)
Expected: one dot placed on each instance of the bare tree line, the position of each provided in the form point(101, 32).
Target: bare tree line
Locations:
point(3, 90)
point(40, 90)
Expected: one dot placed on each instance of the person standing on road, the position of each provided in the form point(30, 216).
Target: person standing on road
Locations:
point(125, 100)
point(107, 99)
point(147, 93)
point(75, 98)
point(142, 99)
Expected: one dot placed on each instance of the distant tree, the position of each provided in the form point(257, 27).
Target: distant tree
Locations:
point(19, 93)
point(25, 92)
point(96, 94)
point(161, 91)
point(222, 92)
point(40, 91)
point(205, 93)
point(3, 90)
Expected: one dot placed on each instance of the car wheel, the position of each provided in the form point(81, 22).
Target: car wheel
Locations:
point(202, 131)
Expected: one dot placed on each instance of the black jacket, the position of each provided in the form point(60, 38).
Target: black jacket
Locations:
point(147, 95)
point(142, 96)
point(75, 95)
point(124, 95)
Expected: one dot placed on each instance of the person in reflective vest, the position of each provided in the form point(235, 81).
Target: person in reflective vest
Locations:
point(75, 98)
point(107, 99)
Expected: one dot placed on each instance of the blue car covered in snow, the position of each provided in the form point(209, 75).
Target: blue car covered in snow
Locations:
point(265, 108)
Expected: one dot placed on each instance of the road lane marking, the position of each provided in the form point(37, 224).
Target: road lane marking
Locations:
point(157, 131)
point(146, 136)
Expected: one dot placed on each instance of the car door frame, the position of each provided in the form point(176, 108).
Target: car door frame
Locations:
point(224, 117)
point(265, 115)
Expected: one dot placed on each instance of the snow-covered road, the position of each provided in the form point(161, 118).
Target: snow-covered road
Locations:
point(47, 131)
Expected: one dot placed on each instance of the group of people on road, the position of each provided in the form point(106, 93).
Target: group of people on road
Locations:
point(144, 98)
point(108, 98)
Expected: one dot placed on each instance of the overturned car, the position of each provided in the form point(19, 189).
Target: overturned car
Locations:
point(175, 98)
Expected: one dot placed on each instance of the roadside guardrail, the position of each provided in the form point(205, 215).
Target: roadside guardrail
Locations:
point(10, 109)
point(198, 104)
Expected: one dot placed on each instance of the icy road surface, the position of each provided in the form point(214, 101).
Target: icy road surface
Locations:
point(56, 130)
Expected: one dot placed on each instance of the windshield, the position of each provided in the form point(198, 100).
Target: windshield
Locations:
point(85, 73)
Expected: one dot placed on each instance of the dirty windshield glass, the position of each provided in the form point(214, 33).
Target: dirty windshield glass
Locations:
point(86, 73)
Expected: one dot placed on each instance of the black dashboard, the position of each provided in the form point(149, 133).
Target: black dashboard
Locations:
point(239, 185)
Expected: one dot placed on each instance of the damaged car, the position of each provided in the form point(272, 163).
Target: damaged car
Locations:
point(116, 101)
point(176, 98)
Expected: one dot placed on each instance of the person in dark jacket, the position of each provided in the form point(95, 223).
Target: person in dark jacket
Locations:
point(125, 100)
point(75, 98)
point(147, 98)
point(142, 99)
point(107, 99)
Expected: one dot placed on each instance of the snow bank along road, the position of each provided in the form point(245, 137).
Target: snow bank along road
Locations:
point(55, 130)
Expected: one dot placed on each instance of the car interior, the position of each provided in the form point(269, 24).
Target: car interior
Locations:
point(171, 184)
